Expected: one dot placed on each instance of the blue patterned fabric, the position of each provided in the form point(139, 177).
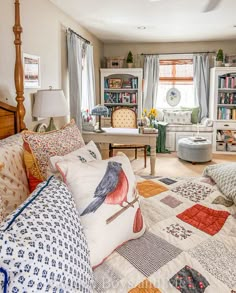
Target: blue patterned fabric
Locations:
point(42, 245)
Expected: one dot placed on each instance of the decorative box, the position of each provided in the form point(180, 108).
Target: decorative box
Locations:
point(221, 146)
point(231, 146)
point(115, 62)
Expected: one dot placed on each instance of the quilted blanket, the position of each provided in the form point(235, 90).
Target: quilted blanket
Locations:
point(189, 244)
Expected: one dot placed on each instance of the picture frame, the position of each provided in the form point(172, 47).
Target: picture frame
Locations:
point(31, 65)
point(126, 99)
point(115, 83)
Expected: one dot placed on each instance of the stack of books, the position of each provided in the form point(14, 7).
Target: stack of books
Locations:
point(150, 130)
point(197, 138)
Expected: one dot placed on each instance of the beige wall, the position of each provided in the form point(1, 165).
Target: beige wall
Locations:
point(44, 27)
point(122, 49)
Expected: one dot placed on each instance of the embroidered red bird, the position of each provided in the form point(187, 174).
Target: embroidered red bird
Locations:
point(112, 189)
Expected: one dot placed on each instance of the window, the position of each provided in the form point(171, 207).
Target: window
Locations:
point(176, 73)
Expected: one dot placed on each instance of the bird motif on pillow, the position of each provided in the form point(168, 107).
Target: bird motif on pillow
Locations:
point(112, 189)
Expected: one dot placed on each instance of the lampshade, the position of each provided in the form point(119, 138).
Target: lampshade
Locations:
point(99, 110)
point(50, 103)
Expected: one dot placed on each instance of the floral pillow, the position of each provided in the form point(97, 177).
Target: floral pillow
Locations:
point(106, 198)
point(39, 147)
point(43, 246)
point(178, 117)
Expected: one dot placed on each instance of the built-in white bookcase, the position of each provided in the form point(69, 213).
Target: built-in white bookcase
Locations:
point(222, 109)
point(121, 87)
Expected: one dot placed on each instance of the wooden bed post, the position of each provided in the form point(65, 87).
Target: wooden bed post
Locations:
point(19, 73)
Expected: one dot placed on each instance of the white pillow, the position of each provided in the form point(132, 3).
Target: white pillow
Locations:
point(178, 117)
point(85, 154)
point(100, 189)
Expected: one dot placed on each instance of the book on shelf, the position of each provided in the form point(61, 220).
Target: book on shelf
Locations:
point(119, 98)
point(225, 113)
point(226, 82)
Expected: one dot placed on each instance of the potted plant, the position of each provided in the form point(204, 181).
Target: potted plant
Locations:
point(129, 60)
point(219, 57)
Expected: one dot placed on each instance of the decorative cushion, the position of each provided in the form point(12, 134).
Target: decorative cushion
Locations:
point(224, 176)
point(177, 117)
point(13, 180)
point(85, 154)
point(42, 244)
point(106, 197)
point(194, 115)
point(39, 147)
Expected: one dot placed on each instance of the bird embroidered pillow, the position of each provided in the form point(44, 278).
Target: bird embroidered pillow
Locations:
point(106, 198)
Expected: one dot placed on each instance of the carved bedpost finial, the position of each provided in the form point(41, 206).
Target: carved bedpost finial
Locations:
point(19, 72)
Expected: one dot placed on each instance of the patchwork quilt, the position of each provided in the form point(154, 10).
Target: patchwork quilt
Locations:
point(189, 245)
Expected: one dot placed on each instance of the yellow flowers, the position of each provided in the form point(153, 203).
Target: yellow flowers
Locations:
point(152, 114)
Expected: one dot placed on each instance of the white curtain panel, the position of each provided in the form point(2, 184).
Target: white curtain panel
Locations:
point(151, 80)
point(74, 51)
point(88, 88)
point(201, 72)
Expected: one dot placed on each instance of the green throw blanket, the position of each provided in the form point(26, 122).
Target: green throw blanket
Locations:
point(161, 139)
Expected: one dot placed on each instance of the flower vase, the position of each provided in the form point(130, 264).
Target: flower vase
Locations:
point(152, 123)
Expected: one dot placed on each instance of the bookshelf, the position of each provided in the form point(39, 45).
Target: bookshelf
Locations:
point(121, 87)
point(222, 109)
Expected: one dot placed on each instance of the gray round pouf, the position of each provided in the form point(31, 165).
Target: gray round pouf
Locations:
point(194, 151)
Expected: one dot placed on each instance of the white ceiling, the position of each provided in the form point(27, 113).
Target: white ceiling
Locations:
point(165, 20)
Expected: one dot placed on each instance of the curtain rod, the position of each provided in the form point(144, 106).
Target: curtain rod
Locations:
point(207, 52)
point(70, 30)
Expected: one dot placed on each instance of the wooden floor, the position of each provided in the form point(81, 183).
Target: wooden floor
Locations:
point(170, 165)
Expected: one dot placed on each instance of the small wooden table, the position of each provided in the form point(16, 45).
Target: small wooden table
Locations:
point(125, 136)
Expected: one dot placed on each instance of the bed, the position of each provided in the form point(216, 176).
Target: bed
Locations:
point(188, 244)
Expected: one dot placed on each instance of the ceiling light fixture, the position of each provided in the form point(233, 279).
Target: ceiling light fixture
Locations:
point(141, 27)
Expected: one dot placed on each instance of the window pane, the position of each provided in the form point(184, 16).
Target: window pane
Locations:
point(165, 70)
point(185, 70)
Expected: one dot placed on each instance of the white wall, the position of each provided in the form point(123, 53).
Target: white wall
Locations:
point(44, 34)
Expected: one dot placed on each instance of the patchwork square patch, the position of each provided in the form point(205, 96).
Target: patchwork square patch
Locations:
point(167, 181)
point(205, 219)
point(171, 201)
point(104, 275)
point(178, 231)
point(145, 287)
point(148, 253)
point(188, 280)
point(193, 191)
point(217, 259)
point(150, 188)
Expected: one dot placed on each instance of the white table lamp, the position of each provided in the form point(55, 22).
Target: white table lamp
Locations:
point(50, 103)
